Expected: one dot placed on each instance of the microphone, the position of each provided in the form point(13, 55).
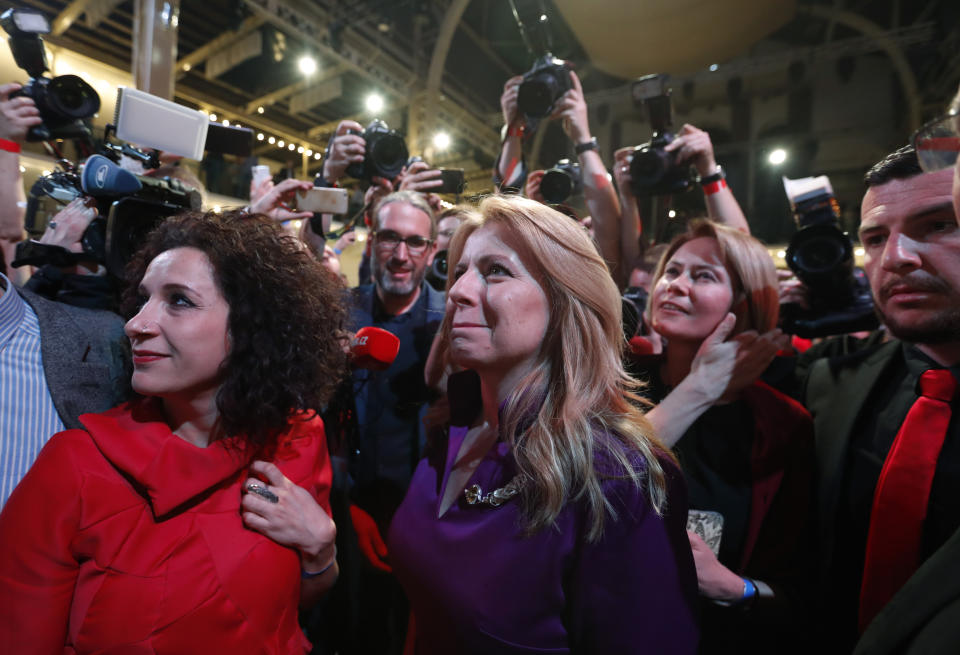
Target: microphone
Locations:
point(374, 348)
point(640, 346)
point(101, 177)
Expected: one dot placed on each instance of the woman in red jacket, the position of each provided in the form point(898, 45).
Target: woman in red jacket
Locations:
point(195, 518)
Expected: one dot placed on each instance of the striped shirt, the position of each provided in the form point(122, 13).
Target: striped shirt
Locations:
point(28, 417)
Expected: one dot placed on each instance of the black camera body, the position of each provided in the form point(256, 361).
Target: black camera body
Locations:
point(436, 275)
point(386, 153)
point(653, 170)
point(562, 181)
point(65, 101)
point(821, 255)
point(542, 86)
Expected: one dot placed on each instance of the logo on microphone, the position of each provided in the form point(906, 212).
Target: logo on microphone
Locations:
point(361, 341)
point(101, 176)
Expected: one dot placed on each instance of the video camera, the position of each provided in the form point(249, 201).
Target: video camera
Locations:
point(128, 205)
point(561, 182)
point(821, 256)
point(386, 153)
point(653, 170)
point(65, 101)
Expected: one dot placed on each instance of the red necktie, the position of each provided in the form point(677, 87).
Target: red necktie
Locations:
point(900, 499)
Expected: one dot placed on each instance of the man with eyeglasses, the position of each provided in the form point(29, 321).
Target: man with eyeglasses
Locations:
point(376, 431)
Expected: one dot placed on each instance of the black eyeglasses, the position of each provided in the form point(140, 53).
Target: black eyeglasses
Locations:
point(938, 142)
point(390, 240)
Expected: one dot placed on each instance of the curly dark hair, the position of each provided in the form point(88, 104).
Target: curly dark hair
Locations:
point(286, 317)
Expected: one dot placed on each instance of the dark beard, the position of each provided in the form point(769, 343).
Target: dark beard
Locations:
point(943, 327)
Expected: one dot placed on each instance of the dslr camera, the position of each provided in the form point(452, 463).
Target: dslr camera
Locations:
point(386, 153)
point(653, 170)
point(561, 182)
point(821, 255)
point(65, 101)
point(542, 86)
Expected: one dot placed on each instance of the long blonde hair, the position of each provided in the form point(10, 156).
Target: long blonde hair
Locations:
point(574, 419)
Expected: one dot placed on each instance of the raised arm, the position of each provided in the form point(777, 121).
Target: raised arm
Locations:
point(693, 146)
point(17, 115)
point(598, 191)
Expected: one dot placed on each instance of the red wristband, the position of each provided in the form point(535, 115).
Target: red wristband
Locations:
point(9, 146)
point(517, 129)
point(714, 187)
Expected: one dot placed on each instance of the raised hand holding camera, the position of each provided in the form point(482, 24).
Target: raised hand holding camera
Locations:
point(346, 147)
point(17, 114)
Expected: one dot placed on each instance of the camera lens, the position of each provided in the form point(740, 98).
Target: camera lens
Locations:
point(818, 254)
point(537, 95)
point(556, 185)
point(648, 165)
point(388, 153)
point(71, 97)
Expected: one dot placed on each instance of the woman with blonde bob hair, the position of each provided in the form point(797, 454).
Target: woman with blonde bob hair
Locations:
point(746, 450)
point(548, 518)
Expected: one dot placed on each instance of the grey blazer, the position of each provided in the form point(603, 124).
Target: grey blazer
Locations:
point(86, 357)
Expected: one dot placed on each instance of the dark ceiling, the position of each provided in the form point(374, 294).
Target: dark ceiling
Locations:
point(386, 46)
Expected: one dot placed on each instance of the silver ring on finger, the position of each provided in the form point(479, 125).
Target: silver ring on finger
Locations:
point(263, 492)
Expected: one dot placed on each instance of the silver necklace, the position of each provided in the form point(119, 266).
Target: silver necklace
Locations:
point(497, 497)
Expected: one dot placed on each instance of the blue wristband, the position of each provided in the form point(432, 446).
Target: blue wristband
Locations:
point(305, 575)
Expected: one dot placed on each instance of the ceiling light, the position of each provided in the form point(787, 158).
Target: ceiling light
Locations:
point(672, 213)
point(309, 153)
point(714, 67)
point(260, 136)
point(300, 150)
point(213, 116)
point(316, 156)
point(777, 157)
point(543, 18)
point(441, 140)
point(260, 110)
point(374, 103)
point(272, 140)
point(281, 143)
point(307, 65)
point(186, 67)
point(290, 146)
point(226, 122)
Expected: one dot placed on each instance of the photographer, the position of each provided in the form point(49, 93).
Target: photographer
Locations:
point(17, 115)
point(598, 192)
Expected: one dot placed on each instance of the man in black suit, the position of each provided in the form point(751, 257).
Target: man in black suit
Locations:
point(912, 242)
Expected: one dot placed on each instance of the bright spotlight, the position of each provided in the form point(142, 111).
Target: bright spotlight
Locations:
point(290, 146)
point(316, 155)
point(300, 150)
point(672, 213)
point(281, 143)
point(260, 110)
point(307, 65)
point(543, 18)
point(441, 140)
point(714, 67)
point(782, 254)
point(309, 153)
point(226, 122)
point(213, 117)
point(186, 68)
point(859, 252)
point(374, 103)
point(260, 136)
point(777, 157)
point(272, 140)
